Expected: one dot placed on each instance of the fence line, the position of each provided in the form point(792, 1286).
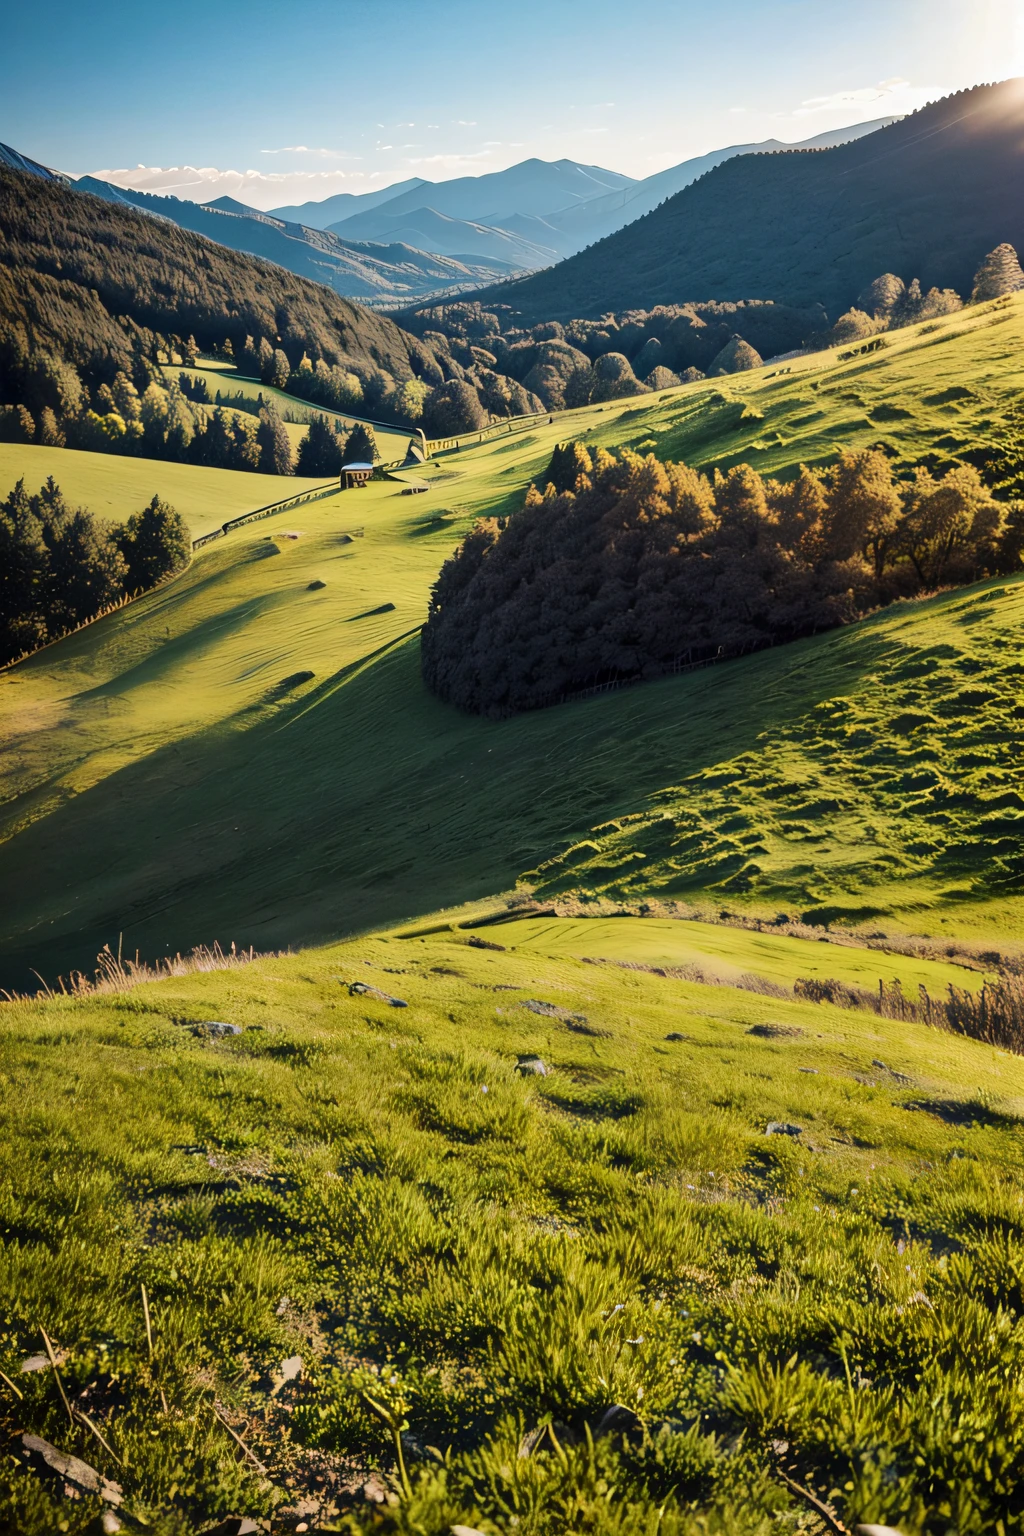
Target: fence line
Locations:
point(275, 506)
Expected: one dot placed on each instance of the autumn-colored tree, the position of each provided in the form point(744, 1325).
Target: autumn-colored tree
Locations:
point(999, 273)
point(950, 528)
point(623, 566)
point(863, 508)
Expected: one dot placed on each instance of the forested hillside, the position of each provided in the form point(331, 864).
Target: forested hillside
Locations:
point(925, 197)
point(83, 277)
point(394, 272)
point(95, 297)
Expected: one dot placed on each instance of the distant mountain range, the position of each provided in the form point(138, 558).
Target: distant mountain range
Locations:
point(535, 213)
point(372, 273)
point(418, 240)
point(926, 197)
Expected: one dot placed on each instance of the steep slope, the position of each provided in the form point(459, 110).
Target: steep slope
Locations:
point(925, 197)
point(76, 273)
point(165, 783)
point(15, 161)
point(375, 273)
point(584, 223)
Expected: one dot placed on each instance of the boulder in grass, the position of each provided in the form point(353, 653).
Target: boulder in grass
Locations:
point(363, 989)
point(782, 1128)
point(531, 1066)
point(234, 1525)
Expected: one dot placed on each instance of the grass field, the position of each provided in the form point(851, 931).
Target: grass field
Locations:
point(561, 1246)
point(436, 1240)
point(166, 776)
point(115, 487)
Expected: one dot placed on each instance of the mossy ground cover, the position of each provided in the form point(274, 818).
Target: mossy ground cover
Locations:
point(380, 1194)
point(160, 780)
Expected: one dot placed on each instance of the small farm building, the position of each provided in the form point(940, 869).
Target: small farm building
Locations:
point(353, 475)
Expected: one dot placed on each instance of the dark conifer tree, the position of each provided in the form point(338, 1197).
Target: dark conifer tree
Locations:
point(154, 543)
point(274, 444)
point(361, 446)
point(319, 450)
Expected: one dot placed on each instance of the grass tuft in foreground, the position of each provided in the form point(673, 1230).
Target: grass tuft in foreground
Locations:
point(783, 1240)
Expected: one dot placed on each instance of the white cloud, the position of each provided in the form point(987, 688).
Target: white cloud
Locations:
point(288, 149)
point(889, 98)
point(260, 189)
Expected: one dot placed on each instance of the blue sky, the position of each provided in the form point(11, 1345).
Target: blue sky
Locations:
point(282, 102)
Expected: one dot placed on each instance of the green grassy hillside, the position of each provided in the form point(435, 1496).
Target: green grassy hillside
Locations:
point(115, 487)
point(167, 775)
point(383, 1199)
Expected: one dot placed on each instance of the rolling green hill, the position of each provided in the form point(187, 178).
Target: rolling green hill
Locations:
point(115, 487)
point(168, 775)
point(925, 197)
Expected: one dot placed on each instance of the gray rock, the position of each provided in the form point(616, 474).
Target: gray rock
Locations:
point(109, 1523)
point(463, 1530)
point(233, 1525)
point(363, 989)
point(782, 1128)
point(216, 1028)
point(531, 1066)
point(46, 1457)
point(316, 586)
point(675, 1035)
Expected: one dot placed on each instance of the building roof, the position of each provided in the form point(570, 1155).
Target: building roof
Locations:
point(346, 467)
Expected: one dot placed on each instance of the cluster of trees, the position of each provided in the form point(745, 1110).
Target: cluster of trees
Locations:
point(889, 303)
point(60, 566)
point(58, 409)
point(623, 566)
point(327, 447)
point(585, 361)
